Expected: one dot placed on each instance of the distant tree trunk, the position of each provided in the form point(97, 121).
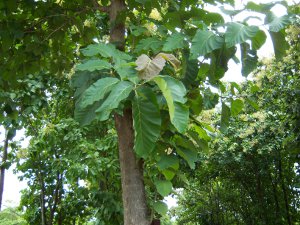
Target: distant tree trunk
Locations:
point(284, 190)
point(42, 199)
point(2, 173)
point(133, 188)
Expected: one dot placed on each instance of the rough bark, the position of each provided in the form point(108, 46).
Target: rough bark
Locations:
point(133, 188)
point(2, 173)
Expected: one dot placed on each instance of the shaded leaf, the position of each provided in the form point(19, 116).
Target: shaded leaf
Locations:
point(175, 41)
point(146, 122)
point(151, 43)
point(94, 64)
point(160, 207)
point(237, 106)
point(225, 115)
point(189, 155)
point(279, 43)
point(249, 59)
point(97, 91)
point(275, 23)
point(237, 33)
point(118, 93)
point(258, 40)
point(174, 93)
point(164, 187)
point(168, 161)
point(205, 42)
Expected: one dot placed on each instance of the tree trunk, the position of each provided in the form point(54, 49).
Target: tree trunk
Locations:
point(2, 173)
point(42, 199)
point(285, 191)
point(133, 188)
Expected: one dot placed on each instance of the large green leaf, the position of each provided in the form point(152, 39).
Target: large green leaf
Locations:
point(258, 40)
point(97, 91)
point(249, 59)
point(127, 72)
point(146, 122)
point(237, 33)
point(237, 106)
point(225, 115)
point(151, 43)
point(105, 50)
point(160, 207)
point(189, 70)
point(175, 41)
point(279, 43)
point(164, 187)
point(94, 64)
point(118, 93)
point(189, 155)
point(275, 23)
point(168, 161)
point(85, 115)
point(205, 42)
point(174, 93)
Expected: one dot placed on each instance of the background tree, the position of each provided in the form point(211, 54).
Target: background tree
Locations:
point(250, 175)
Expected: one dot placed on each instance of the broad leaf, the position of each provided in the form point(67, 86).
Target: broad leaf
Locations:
point(168, 161)
point(164, 187)
point(279, 43)
point(151, 43)
point(94, 64)
point(205, 42)
point(189, 155)
point(105, 50)
point(97, 91)
point(275, 23)
point(127, 72)
point(85, 115)
point(249, 59)
point(160, 207)
point(237, 106)
point(146, 122)
point(175, 41)
point(189, 71)
point(237, 33)
point(118, 93)
point(174, 93)
point(258, 40)
point(225, 115)
point(169, 173)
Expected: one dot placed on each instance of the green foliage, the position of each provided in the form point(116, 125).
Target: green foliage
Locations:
point(250, 174)
point(174, 93)
point(205, 42)
point(237, 33)
point(119, 93)
point(146, 121)
point(160, 207)
point(11, 216)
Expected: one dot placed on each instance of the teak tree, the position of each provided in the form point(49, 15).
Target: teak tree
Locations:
point(152, 78)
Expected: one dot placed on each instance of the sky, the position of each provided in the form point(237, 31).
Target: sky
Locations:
point(13, 185)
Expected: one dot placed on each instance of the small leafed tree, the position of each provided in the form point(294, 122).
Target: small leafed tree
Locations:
point(148, 68)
